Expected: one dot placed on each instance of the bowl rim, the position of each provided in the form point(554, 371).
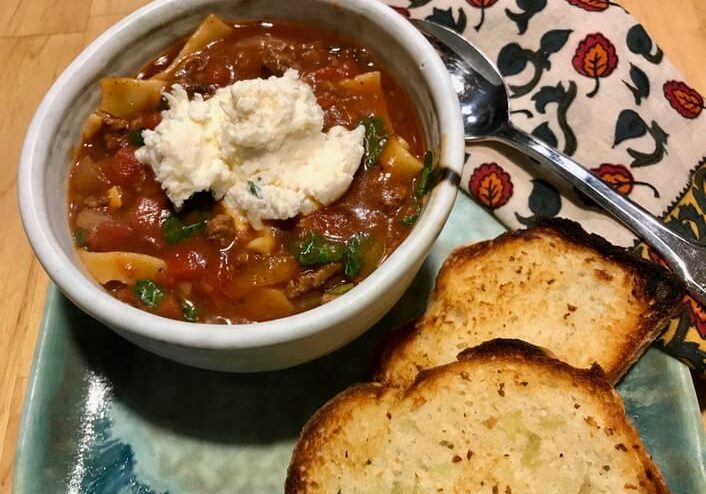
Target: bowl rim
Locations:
point(99, 304)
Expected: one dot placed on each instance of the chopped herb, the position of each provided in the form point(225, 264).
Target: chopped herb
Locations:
point(80, 238)
point(341, 289)
point(410, 220)
point(424, 182)
point(135, 137)
point(149, 293)
point(315, 249)
point(353, 261)
point(163, 104)
point(375, 139)
point(189, 311)
point(175, 231)
point(254, 189)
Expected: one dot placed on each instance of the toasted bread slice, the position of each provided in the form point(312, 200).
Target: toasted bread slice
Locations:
point(555, 286)
point(505, 418)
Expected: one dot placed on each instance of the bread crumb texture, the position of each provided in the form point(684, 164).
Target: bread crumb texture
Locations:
point(554, 286)
point(553, 429)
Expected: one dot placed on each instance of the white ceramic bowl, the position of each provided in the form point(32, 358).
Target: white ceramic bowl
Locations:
point(263, 346)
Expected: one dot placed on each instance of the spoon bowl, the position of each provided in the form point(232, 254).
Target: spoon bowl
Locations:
point(486, 116)
point(481, 91)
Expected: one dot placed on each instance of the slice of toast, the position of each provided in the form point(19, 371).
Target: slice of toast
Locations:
point(554, 286)
point(505, 418)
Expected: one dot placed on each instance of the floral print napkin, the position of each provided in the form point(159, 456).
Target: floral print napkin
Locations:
point(585, 77)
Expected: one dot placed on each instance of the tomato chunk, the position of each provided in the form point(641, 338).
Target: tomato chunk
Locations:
point(124, 168)
point(126, 294)
point(146, 215)
point(117, 236)
point(221, 75)
point(332, 73)
point(151, 120)
point(333, 222)
point(169, 307)
point(186, 263)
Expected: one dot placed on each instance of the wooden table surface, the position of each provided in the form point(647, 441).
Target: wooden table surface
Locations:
point(38, 38)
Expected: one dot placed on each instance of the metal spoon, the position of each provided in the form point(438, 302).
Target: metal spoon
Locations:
point(486, 114)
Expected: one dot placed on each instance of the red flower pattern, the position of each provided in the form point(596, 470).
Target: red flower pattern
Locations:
point(482, 5)
point(595, 58)
point(620, 178)
point(404, 11)
point(491, 185)
point(684, 99)
point(591, 5)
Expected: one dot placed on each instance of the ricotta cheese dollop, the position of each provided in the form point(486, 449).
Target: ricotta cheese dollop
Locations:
point(257, 144)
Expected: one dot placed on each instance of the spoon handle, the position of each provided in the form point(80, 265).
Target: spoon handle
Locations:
point(687, 259)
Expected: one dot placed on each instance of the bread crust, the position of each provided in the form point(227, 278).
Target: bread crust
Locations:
point(657, 289)
point(322, 427)
point(658, 283)
point(309, 442)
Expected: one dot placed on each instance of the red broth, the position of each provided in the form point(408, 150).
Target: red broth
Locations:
point(213, 272)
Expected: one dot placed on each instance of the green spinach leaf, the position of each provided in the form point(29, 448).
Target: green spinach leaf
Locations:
point(135, 137)
point(425, 180)
point(341, 289)
point(353, 261)
point(315, 249)
point(189, 311)
point(80, 238)
point(175, 230)
point(149, 293)
point(375, 139)
point(410, 220)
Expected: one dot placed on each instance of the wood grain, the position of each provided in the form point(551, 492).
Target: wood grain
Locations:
point(38, 38)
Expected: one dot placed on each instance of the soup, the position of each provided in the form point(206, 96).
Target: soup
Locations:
point(162, 241)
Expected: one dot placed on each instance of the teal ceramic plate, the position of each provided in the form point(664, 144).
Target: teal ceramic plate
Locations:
point(102, 416)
